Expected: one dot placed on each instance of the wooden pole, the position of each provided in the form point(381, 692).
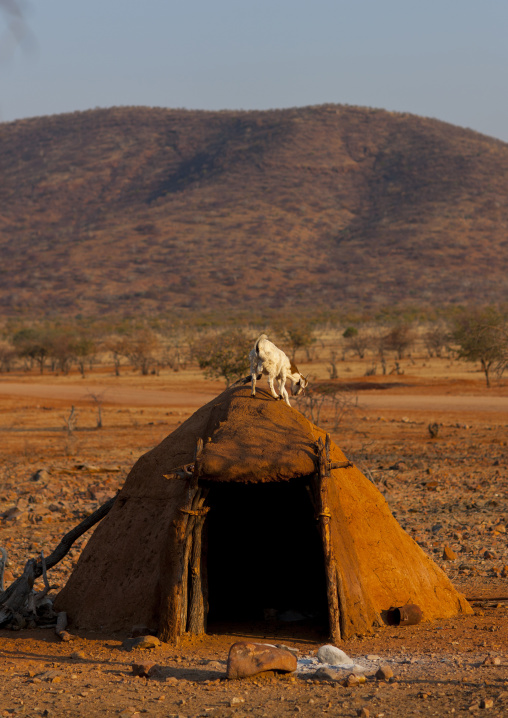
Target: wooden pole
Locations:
point(196, 622)
point(324, 516)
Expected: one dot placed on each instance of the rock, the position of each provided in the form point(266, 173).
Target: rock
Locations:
point(489, 554)
point(78, 656)
point(40, 475)
point(143, 642)
point(333, 656)
point(384, 672)
point(487, 703)
point(373, 657)
point(353, 680)
point(449, 554)
point(65, 636)
point(492, 661)
point(143, 670)
point(247, 659)
point(236, 700)
point(287, 648)
point(363, 712)
point(325, 673)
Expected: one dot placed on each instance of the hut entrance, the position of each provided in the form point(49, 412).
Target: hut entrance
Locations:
point(264, 558)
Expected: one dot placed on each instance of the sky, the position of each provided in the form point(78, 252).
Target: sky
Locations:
point(446, 59)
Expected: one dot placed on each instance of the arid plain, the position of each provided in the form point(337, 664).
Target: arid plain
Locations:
point(450, 490)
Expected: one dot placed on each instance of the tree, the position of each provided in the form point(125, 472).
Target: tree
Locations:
point(299, 335)
point(33, 343)
point(482, 336)
point(357, 340)
point(224, 355)
point(399, 339)
point(141, 348)
point(436, 339)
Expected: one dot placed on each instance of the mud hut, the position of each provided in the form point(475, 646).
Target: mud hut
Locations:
point(248, 506)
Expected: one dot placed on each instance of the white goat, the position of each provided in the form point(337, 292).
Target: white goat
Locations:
point(268, 359)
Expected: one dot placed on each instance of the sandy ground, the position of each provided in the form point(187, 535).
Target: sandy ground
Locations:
point(452, 491)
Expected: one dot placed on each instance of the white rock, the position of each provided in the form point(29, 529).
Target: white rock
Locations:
point(333, 656)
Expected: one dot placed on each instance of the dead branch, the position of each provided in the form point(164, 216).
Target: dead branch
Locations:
point(14, 598)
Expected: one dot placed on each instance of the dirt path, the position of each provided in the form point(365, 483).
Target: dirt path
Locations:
point(188, 398)
point(111, 395)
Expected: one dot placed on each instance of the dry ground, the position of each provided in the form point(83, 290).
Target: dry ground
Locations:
point(451, 490)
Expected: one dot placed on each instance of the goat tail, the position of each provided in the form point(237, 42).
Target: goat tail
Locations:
point(256, 345)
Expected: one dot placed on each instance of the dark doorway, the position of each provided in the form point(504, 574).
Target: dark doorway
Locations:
point(264, 557)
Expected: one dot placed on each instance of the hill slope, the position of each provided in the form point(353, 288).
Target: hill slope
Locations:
point(138, 209)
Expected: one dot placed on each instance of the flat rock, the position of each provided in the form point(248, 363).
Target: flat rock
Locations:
point(383, 673)
point(143, 670)
point(449, 554)
point(143, 642)
point(248, 659)
point(326, 673)
point(333, 656)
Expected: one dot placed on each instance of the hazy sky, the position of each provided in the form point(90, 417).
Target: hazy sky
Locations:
point(446, 59)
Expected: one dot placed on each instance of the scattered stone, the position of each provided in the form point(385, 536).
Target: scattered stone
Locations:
point(325, 673)
point(384, 673)
point(247, 659)
point(142, 669)
point(398, 466)
point(353, 680)
point(333, 656)
point(449, 554)
point(78, 656)
point(40, 475)
point(65, 636)
point(143, 642)
point(236, 700)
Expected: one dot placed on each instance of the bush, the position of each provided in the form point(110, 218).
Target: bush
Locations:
point(224, 355)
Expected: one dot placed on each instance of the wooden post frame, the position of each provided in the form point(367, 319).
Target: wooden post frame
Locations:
point(323, 516)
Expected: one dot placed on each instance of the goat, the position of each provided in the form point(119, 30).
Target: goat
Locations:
point(268, 359)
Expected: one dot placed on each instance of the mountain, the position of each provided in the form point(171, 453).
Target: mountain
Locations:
point(146, 210)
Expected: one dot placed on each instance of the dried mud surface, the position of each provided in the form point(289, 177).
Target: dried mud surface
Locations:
point(449, 491)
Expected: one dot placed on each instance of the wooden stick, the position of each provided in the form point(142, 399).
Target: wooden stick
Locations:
point(196, 617)
point(61, 550)
point(332, 591)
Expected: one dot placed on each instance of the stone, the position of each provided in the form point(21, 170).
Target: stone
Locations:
point(333, 656)
point(236, 700)
point(353, 680)
point(142, 669)
point(325, 673)
point(40, 475)
point(248, 659)
point(143, 642)
point(448, 553)
point(384, 673)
